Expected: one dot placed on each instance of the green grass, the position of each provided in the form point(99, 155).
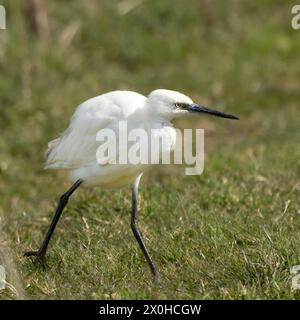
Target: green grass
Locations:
point(232, 233)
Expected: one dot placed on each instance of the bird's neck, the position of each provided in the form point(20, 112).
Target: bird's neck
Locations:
point(153, 119)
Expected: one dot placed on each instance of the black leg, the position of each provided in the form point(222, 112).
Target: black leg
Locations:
point(61, 205)
point(135, 230)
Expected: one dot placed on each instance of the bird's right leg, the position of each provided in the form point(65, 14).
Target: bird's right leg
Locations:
point(135, 230)
point(40, 254)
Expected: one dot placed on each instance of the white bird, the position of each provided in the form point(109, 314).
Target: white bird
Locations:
point(75, 149)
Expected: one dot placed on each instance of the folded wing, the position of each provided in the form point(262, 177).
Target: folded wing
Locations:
point(77, 146)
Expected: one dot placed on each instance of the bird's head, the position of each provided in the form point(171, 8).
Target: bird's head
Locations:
point(169, 104)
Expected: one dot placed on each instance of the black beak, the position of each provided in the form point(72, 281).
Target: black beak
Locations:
point(197, 108)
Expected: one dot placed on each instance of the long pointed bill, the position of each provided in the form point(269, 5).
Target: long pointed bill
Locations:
point(197, 108)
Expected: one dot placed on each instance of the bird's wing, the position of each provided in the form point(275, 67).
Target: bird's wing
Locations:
point(77, 146)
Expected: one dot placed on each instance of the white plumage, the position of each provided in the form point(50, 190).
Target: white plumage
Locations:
point(75, 150)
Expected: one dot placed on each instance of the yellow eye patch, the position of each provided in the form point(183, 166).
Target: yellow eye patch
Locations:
point(180, 105)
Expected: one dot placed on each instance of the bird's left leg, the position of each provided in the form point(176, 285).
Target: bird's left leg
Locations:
point(40, 254)
point(134, 228)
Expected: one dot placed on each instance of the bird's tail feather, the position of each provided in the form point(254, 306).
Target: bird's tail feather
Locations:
point(50, 153)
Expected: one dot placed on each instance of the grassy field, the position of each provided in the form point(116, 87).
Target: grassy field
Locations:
point(231, 233)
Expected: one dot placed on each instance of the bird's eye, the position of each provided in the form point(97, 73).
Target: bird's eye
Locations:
point(179, 105)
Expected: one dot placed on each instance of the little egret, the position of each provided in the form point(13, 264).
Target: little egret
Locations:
point(75, 149)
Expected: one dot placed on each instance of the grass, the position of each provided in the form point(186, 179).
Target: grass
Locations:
point(232, 233)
